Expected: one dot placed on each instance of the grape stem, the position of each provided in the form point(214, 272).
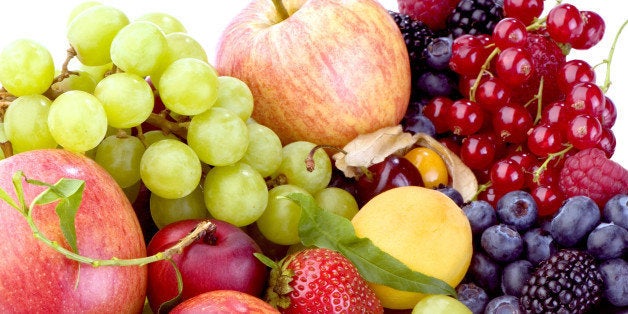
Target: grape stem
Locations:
point(178, 128)
point(309, 160)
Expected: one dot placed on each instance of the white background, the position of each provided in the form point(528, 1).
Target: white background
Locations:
point(45, 21)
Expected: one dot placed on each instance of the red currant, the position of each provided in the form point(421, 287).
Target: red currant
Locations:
point(465, 117)
point(574, 71)
point(555, 113)
point(514, 66)
point(491, 196)
point(512, 122)
point(468, 60)
point(492, 94)
point(524, 10)
point(609, 114)
point(548, 199)
point(477, 151)
point(437, 110)
point(507, 175)
point(585, 98)
point(584, 131)
point(607, 142)
point(545, 139)
point(592, 31)
point(510, 32)
point(564, 23)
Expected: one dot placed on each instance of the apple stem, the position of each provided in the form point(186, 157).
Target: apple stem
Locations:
point(281, 9)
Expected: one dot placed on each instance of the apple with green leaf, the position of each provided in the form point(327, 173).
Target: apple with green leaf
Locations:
point(322, 71)
point(99, 223)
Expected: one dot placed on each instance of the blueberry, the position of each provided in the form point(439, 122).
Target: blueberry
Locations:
point(615, 275)
point(515, 275)
point(418, 124)
point(472, 296)
point(518, 209)
point(481, 215)
point(485, 272)
point(504, 304)
point(436, 83)
point(607, 241)
point(438, 52)
point(502, 243)
point(574, 220)
point(616, 210)
point(539, 245)
point(452, 193)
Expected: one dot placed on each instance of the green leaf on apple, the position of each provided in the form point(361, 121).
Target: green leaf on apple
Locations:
point(328, 230)
point(69, 193)
point(7, 198)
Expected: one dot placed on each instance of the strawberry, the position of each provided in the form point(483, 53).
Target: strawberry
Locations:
point(589, 172)
point(318, 280)
point(431, 12)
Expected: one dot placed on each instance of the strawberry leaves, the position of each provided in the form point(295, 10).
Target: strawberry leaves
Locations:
point(324, 229)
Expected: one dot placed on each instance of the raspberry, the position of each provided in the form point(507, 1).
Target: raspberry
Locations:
point(431, 12)
point(589, 172)
point(547, 60)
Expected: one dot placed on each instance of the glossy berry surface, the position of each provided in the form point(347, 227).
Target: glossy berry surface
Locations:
point(517, 209)
point(510, 32)
point(514, 66)
point(574, 220)
point(564, 23)
point(394, 171)
point(524, 10)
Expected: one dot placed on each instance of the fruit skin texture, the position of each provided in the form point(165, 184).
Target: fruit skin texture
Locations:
point(589, 172)
point(218, 261)
point(330, 71)
point(320, 279)
point(224, 302)
point(422, 228)
point(34, 278)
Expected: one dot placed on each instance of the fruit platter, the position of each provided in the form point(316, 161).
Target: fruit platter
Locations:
point(313, 156)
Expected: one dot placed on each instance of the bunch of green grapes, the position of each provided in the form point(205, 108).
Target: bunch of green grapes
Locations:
point(204, 156)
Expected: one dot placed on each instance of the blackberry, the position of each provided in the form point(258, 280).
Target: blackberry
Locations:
point(568, 282)
point(417, 36)
point(474, 17)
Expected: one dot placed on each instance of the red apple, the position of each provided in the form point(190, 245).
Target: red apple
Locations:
point(219, 260)
point(224, 302)
point(327, 72)
point(36, 279)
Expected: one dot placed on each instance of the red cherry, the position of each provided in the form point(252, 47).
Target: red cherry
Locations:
point(393, 171)
point(592, 31)
point(514, 66)
point(510, 32)
point(574, 71)
point(524, 10)
point(564, 23)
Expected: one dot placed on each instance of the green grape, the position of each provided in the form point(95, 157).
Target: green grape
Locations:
point(235, 193)
point(166, 22)
point(294, 168)
point(264, 150)
point(77, 121)
point(166, 211)
point(180, 45)
point(133, 191)
point(218, 137)
point(337, 201)
point(127, 98)
point(80, 81)
point(26, 123)
point(153, 136)
point(121, 156)
point(80, 8)
point(235, 95)
point(170, 169)
point(26, 68)
point(139, 48)
point(188, 86)
point(280, 221)
point(91, 32)
point(97, 72)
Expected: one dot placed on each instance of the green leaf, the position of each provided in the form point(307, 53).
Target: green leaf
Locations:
point(327, 230)
point(19, 191)
point(69, 193)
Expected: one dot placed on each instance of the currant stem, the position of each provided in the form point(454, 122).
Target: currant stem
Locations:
point(550, 157)
point(609, 59)
point(484, 69)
